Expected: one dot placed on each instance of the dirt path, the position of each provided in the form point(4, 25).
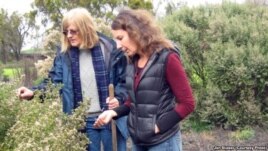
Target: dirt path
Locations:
point(221, 140)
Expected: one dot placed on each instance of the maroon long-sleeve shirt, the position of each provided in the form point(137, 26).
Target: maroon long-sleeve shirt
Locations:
point(179, 84)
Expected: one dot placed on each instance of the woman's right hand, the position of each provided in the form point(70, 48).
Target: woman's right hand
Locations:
point(112, 103)
point(104, 118)
point(25, 93)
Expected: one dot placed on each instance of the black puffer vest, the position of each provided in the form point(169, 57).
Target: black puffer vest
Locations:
point(152, 99)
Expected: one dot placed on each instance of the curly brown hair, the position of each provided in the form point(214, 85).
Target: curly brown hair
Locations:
point(142, 29)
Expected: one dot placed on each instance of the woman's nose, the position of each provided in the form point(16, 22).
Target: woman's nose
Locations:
point(118, 44)
point(69, 35)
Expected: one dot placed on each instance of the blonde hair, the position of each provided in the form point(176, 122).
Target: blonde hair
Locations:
point(83, 21)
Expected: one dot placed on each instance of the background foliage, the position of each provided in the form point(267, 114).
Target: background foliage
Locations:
point(224, 49)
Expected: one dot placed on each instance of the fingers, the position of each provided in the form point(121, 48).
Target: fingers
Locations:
point(20, 92)
point(99, 123)
point(24, 93)
point(113, 103)
point(104, 118)
point(101, 120)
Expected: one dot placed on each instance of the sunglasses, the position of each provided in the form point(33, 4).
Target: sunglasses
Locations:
point(72, 32)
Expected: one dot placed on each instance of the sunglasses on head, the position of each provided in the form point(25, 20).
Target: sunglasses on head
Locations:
point(71, 31)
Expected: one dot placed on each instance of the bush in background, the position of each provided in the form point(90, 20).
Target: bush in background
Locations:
point(225, 53)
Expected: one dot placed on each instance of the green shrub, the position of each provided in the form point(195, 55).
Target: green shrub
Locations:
point(43, 126)
point(243, 134)
point(8, 108)
point(240, 75)
point(224, 50)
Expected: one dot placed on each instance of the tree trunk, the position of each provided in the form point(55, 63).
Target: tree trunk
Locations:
point(4, 53)
point(17, 55)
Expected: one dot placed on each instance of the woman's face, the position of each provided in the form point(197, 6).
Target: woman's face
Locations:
point(124, 42)
point(72, 34)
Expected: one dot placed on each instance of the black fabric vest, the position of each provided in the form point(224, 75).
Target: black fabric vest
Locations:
point(152, 99)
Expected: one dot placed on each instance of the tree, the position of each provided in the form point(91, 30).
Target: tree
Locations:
point(14, 29)
point(4, 40)
point(53, 10)
point(18, 31)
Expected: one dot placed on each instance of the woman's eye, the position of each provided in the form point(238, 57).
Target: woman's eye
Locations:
point(119, 38)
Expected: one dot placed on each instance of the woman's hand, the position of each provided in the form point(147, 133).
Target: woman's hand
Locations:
point(25, 93)
point(156, 129)
point(112, 103)
point(104, 118)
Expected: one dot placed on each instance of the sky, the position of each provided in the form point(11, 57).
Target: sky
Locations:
point(23, 6)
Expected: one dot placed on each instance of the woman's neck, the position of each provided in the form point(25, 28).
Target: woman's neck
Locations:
point(142, 61)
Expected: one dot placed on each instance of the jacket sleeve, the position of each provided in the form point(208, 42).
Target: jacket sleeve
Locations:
point(118, 75)
point(117, 68)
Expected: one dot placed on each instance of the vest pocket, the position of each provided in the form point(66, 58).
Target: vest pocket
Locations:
point(145, 129)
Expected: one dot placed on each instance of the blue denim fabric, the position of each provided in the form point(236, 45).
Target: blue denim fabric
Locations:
point(122, 133)
point(97, 136)
point(121, 141)
point(121, 124)
point(174, 143)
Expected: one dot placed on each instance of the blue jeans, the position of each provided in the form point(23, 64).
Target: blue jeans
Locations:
point(121, 142)
point(122, 133)
point(98, 135)
point(174, 143)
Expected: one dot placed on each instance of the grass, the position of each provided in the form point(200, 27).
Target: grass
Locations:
point(31, 51)
point(196, 125)
point(11, 72)
point(244, 134)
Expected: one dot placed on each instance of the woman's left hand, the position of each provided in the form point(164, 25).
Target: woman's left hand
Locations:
point(104, 118)
point(156, 129)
